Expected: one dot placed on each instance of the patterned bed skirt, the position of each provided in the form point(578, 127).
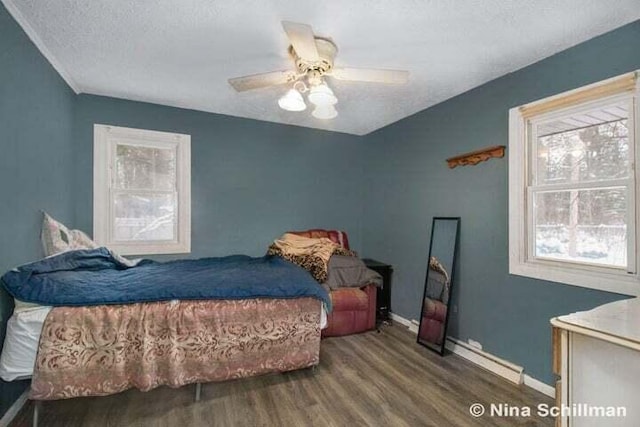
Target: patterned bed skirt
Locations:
point(101, 350)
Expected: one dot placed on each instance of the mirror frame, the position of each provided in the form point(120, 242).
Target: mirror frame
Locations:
point(434, 347)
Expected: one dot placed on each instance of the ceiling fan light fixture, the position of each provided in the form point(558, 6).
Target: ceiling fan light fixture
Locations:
point(313, 59)
point(325, 112)
point(322, 95)
point(292, 101)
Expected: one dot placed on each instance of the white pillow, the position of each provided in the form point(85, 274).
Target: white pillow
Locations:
point(57, 238)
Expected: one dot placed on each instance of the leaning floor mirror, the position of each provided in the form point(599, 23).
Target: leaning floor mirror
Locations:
point(438, 283)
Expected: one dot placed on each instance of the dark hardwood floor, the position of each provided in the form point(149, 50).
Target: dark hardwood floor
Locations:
point(371, 379)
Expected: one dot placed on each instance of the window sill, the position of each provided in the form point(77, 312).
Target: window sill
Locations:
point(619, 283)
point(150, 249)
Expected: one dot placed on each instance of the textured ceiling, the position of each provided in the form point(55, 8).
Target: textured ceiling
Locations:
point(181, 53)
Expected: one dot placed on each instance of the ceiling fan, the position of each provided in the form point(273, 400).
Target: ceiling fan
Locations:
point(313, 57)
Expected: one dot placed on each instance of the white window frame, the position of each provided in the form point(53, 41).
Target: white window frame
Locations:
point(105, 139)
point(522, 261)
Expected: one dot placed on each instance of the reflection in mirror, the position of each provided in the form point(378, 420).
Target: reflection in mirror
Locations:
point(437, 290)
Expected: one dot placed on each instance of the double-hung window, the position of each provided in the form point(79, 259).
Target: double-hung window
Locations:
point(573, 188)
point(142, 190)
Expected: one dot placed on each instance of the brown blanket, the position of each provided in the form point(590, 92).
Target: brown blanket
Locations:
point(309, 253)
point(100, 350)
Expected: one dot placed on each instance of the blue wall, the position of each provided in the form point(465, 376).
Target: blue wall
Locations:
point(251, 180)
point(36, 119)
point(411, 183)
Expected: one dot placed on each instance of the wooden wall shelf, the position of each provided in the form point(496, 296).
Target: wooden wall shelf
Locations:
point(475, 157)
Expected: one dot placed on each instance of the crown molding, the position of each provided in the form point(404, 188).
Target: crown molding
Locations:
point(14, 11)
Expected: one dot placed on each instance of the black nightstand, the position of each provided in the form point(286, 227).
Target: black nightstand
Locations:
point(383, 296)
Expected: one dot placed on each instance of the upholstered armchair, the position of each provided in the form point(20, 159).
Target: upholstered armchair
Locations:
point(354, 309)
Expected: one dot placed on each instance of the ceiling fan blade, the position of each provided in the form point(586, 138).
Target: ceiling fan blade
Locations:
point(257, 81)
point(302, 39)
point(370, 75)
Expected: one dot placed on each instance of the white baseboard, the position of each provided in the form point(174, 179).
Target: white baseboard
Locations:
point(486, 360)
point(405, 322)
point(14, 409)
point(498, 366)
point(538, 385)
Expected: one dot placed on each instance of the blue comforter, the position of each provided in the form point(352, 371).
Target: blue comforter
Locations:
point(95, 277)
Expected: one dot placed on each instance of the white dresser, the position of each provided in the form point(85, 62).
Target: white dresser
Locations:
point(597, 357)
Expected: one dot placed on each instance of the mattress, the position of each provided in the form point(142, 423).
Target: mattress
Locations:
point(23, 335)
point(21, 342)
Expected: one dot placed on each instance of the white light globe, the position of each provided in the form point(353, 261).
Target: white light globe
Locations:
point(322, 95)
point(325, 112)
point(292, 101)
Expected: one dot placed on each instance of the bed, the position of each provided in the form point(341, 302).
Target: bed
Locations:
point(230, 317)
